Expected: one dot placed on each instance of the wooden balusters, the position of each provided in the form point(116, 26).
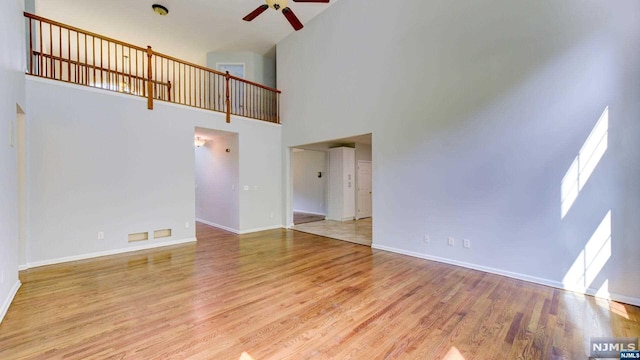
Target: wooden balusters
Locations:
point(120, 67)
point(228, 100)
point(149, 79)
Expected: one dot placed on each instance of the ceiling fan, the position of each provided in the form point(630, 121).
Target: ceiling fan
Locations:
point(286, 11)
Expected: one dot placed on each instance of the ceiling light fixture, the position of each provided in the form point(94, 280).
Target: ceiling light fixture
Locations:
point(277, 4)
point(159, 9)
point(198, 141)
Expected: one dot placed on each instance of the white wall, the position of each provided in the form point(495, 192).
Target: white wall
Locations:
point(309, 191)
point(11, 93)
point(217, 181)
point(100, 161)
point(476, 116)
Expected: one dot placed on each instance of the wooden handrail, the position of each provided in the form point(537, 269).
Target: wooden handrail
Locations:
point(187, 63)
point(77, 63)
point(255, 84)
point(82, 31)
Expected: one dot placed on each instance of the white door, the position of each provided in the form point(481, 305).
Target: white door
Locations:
point(364, 189)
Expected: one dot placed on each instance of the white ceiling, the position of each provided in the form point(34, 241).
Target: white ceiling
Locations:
point(190, 30)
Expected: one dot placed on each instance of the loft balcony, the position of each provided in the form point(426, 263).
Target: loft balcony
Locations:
point(65, 53)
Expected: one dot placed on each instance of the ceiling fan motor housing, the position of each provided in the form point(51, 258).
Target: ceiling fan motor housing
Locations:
point(277, 4)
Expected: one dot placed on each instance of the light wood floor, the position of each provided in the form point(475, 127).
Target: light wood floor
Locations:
point(290, 295)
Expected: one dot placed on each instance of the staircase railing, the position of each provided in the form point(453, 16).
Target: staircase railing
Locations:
point(65, 53)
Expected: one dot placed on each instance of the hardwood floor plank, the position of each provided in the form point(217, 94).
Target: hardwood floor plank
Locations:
point(286, 294)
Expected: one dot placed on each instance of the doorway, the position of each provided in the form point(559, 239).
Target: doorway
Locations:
point(355, 222)
point(309, 169)
point(217, 178)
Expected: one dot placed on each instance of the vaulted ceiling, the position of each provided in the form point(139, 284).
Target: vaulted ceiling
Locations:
point(190, 30)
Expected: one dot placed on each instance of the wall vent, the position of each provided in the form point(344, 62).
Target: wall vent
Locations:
point(162, 233)
point(139, 237)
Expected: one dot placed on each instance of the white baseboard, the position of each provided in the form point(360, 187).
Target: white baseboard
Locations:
point(236, 231)
point(108, 252)
point(23, 267)
point(518, 276)
point(309, 212)
point(225, 228)
point(261, 229)
point(7, 302)
point(350, 218)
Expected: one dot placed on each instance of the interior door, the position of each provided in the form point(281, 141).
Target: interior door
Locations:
point(364, 189)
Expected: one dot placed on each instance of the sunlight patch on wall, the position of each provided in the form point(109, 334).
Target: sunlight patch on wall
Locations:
point(591, 259)
point(585, 163)
point(598, 249)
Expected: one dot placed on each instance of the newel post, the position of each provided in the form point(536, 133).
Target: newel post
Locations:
point(149, 79)
point(227, 77)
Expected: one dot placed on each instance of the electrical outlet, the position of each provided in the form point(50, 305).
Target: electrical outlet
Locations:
point(451, 241)
point(101, 235)
point(467, 243)
point(246, 188)
point(426, 239)
point(187, 225)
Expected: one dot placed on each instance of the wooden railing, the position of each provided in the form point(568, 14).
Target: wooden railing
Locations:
point(65, 53)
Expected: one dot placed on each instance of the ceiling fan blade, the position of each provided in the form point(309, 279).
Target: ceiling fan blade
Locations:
point(256, 12)
point(312, 1)
point(293, 19)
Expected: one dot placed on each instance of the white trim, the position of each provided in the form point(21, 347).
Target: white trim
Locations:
point(261, 229)
point(108, 252)
point(23, 267)
point(7, 302)
point(309, 212)
point(518, 276)
point(239, 232)
point(222, 227)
